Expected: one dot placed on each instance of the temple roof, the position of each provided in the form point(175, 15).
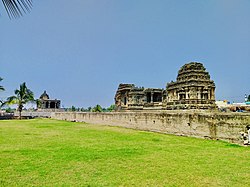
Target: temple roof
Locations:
point(44, 96)
point(192, 66)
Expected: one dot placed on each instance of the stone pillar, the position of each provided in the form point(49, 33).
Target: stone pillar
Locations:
point(49, 105)
point(152, 97)
point(212, 93)
point(128, 99)
point(186, 93)
point(199, 93)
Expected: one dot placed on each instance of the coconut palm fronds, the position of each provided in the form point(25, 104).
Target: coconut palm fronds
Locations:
point(16, 8)
point(21, 97)
point(1, 87)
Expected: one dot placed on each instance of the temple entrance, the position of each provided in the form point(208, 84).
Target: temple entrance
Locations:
point(52, 105)
point(148, 97)
point(125, 100)
point(157, 97)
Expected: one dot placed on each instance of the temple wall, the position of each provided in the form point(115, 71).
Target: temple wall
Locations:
point(212, 125)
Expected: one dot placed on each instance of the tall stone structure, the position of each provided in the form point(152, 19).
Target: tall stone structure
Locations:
point(46, 103)
point(193, 89)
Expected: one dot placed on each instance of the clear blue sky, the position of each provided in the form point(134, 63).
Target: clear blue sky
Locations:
point(80, 50)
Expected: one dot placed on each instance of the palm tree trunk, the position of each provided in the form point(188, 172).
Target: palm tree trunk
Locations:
point(20, 114)
point(20, 108)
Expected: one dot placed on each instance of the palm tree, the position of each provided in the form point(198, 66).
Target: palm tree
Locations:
point(1, 87)
point(16, 8)
point(21, 97)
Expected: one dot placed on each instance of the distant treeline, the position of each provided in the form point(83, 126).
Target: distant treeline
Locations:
point(97, 108)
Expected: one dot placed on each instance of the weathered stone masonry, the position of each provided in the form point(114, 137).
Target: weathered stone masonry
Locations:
point(223, 126)
point(130, 97)
point(193, 89)
point(185, 107)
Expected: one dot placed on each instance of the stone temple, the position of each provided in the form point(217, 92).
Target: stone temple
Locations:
point(47, 103)
point(130, 97)
point(193, 89)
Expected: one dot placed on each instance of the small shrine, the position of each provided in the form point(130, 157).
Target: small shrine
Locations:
point(45, 102)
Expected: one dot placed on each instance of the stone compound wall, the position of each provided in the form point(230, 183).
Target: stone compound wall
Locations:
point(35, 114)
point(211, 125)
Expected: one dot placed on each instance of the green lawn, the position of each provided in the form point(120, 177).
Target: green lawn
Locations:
point(44, 152)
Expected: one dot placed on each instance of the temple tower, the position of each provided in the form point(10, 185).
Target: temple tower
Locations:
point(193, 89)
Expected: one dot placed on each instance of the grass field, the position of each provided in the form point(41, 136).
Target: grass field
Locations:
point(44, 152)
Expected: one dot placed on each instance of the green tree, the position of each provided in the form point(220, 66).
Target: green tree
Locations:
point(16, 8)
point(21, 97)
point(38, 103)
point(73, 108)
point(111, 108)
point(97, 108)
